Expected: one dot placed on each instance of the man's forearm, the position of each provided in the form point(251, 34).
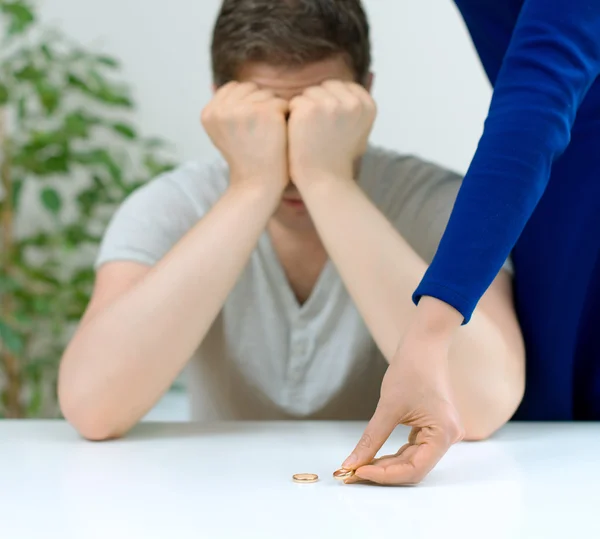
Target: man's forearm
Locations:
point(376, 264)
point(125, 356)
point(380, 271)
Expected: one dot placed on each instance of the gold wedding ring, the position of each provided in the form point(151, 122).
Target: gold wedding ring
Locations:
point(305, 478)
point(342, 474)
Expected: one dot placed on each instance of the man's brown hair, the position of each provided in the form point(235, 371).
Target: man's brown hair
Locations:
point(289, 33)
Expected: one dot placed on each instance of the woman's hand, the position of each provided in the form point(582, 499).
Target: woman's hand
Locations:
point(415, 392)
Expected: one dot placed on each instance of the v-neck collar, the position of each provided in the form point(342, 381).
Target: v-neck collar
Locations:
point(318, 293)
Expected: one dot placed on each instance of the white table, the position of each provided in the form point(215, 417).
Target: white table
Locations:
point(182, 481)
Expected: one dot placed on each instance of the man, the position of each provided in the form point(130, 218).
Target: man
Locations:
point(281, 274)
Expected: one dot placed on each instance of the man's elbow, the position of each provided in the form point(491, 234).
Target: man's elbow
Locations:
point(91, 421)
point(96, 432)
point(500, 409)
point(91, 426)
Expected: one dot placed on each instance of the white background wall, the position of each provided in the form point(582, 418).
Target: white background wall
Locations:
point(431, 91)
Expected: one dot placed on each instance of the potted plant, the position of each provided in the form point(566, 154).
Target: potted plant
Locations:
point(68, 156)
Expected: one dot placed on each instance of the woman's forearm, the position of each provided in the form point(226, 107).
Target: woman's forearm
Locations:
point(551, 62)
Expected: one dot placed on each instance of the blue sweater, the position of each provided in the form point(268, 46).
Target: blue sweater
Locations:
point(551, 60)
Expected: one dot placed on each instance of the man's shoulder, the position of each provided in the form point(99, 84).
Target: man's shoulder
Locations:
point(398, 166)
point(201, 182)
point(158, 214)
point(394, 178)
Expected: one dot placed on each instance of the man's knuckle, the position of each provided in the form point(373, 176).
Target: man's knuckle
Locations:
point(354, 106)
point(311, 108)
point(331, 108)
point(216, 114)
point(240, 113)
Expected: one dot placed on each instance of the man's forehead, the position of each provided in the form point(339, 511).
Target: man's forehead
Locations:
point(290, 80)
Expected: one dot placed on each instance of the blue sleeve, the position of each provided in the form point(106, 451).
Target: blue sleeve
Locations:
point(551, 63)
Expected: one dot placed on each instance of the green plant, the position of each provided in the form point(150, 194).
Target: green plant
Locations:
point(69, 156)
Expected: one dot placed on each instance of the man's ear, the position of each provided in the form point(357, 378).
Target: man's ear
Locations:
point(213, 88)
point(369, 81)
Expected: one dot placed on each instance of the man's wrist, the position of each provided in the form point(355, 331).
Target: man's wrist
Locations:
point(258, 191)
point(321, 181)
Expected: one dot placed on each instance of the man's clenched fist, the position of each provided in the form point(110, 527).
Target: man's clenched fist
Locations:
point(248, 126)
point(329, 127)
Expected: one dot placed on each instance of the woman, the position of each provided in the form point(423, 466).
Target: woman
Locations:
point(533, 188)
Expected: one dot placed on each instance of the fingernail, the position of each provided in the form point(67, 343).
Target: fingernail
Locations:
point(350, 461)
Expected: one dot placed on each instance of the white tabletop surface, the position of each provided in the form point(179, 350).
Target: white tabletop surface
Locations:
point(185, 480)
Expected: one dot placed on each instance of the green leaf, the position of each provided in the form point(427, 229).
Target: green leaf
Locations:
point(154, 143)
point(107, 61)
point(48, 54)
point(22, 108)
point(41, 140)
point(96, 79)
point(37, 366)
point(114, 96)
point(23, 319)
point(98, 183)
point(87, 200)
point(110, 94)
point(29, 73)
point(17, 187)
point(156, 167)
point(21, 17)
point(77, 82)
point(76, 54)
point(3, 94)
point(77, 124)
point(10, 338)
point(48, 95)
point(100, 90)
point(33, 157)
point(83, 276)
point(101, 158)
point(126, 130)
point(76, 234)
point(42, 275)
point(43, 305)
point(7, 284)
point(55, 164)
point(35, 404)
point(51, 200)
point(39, 240)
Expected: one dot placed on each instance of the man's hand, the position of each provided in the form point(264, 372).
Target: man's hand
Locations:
point(415, 392)
point(329, 128)
point(248, 126)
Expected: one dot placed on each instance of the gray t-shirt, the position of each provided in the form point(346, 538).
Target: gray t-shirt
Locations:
point(266, 356)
